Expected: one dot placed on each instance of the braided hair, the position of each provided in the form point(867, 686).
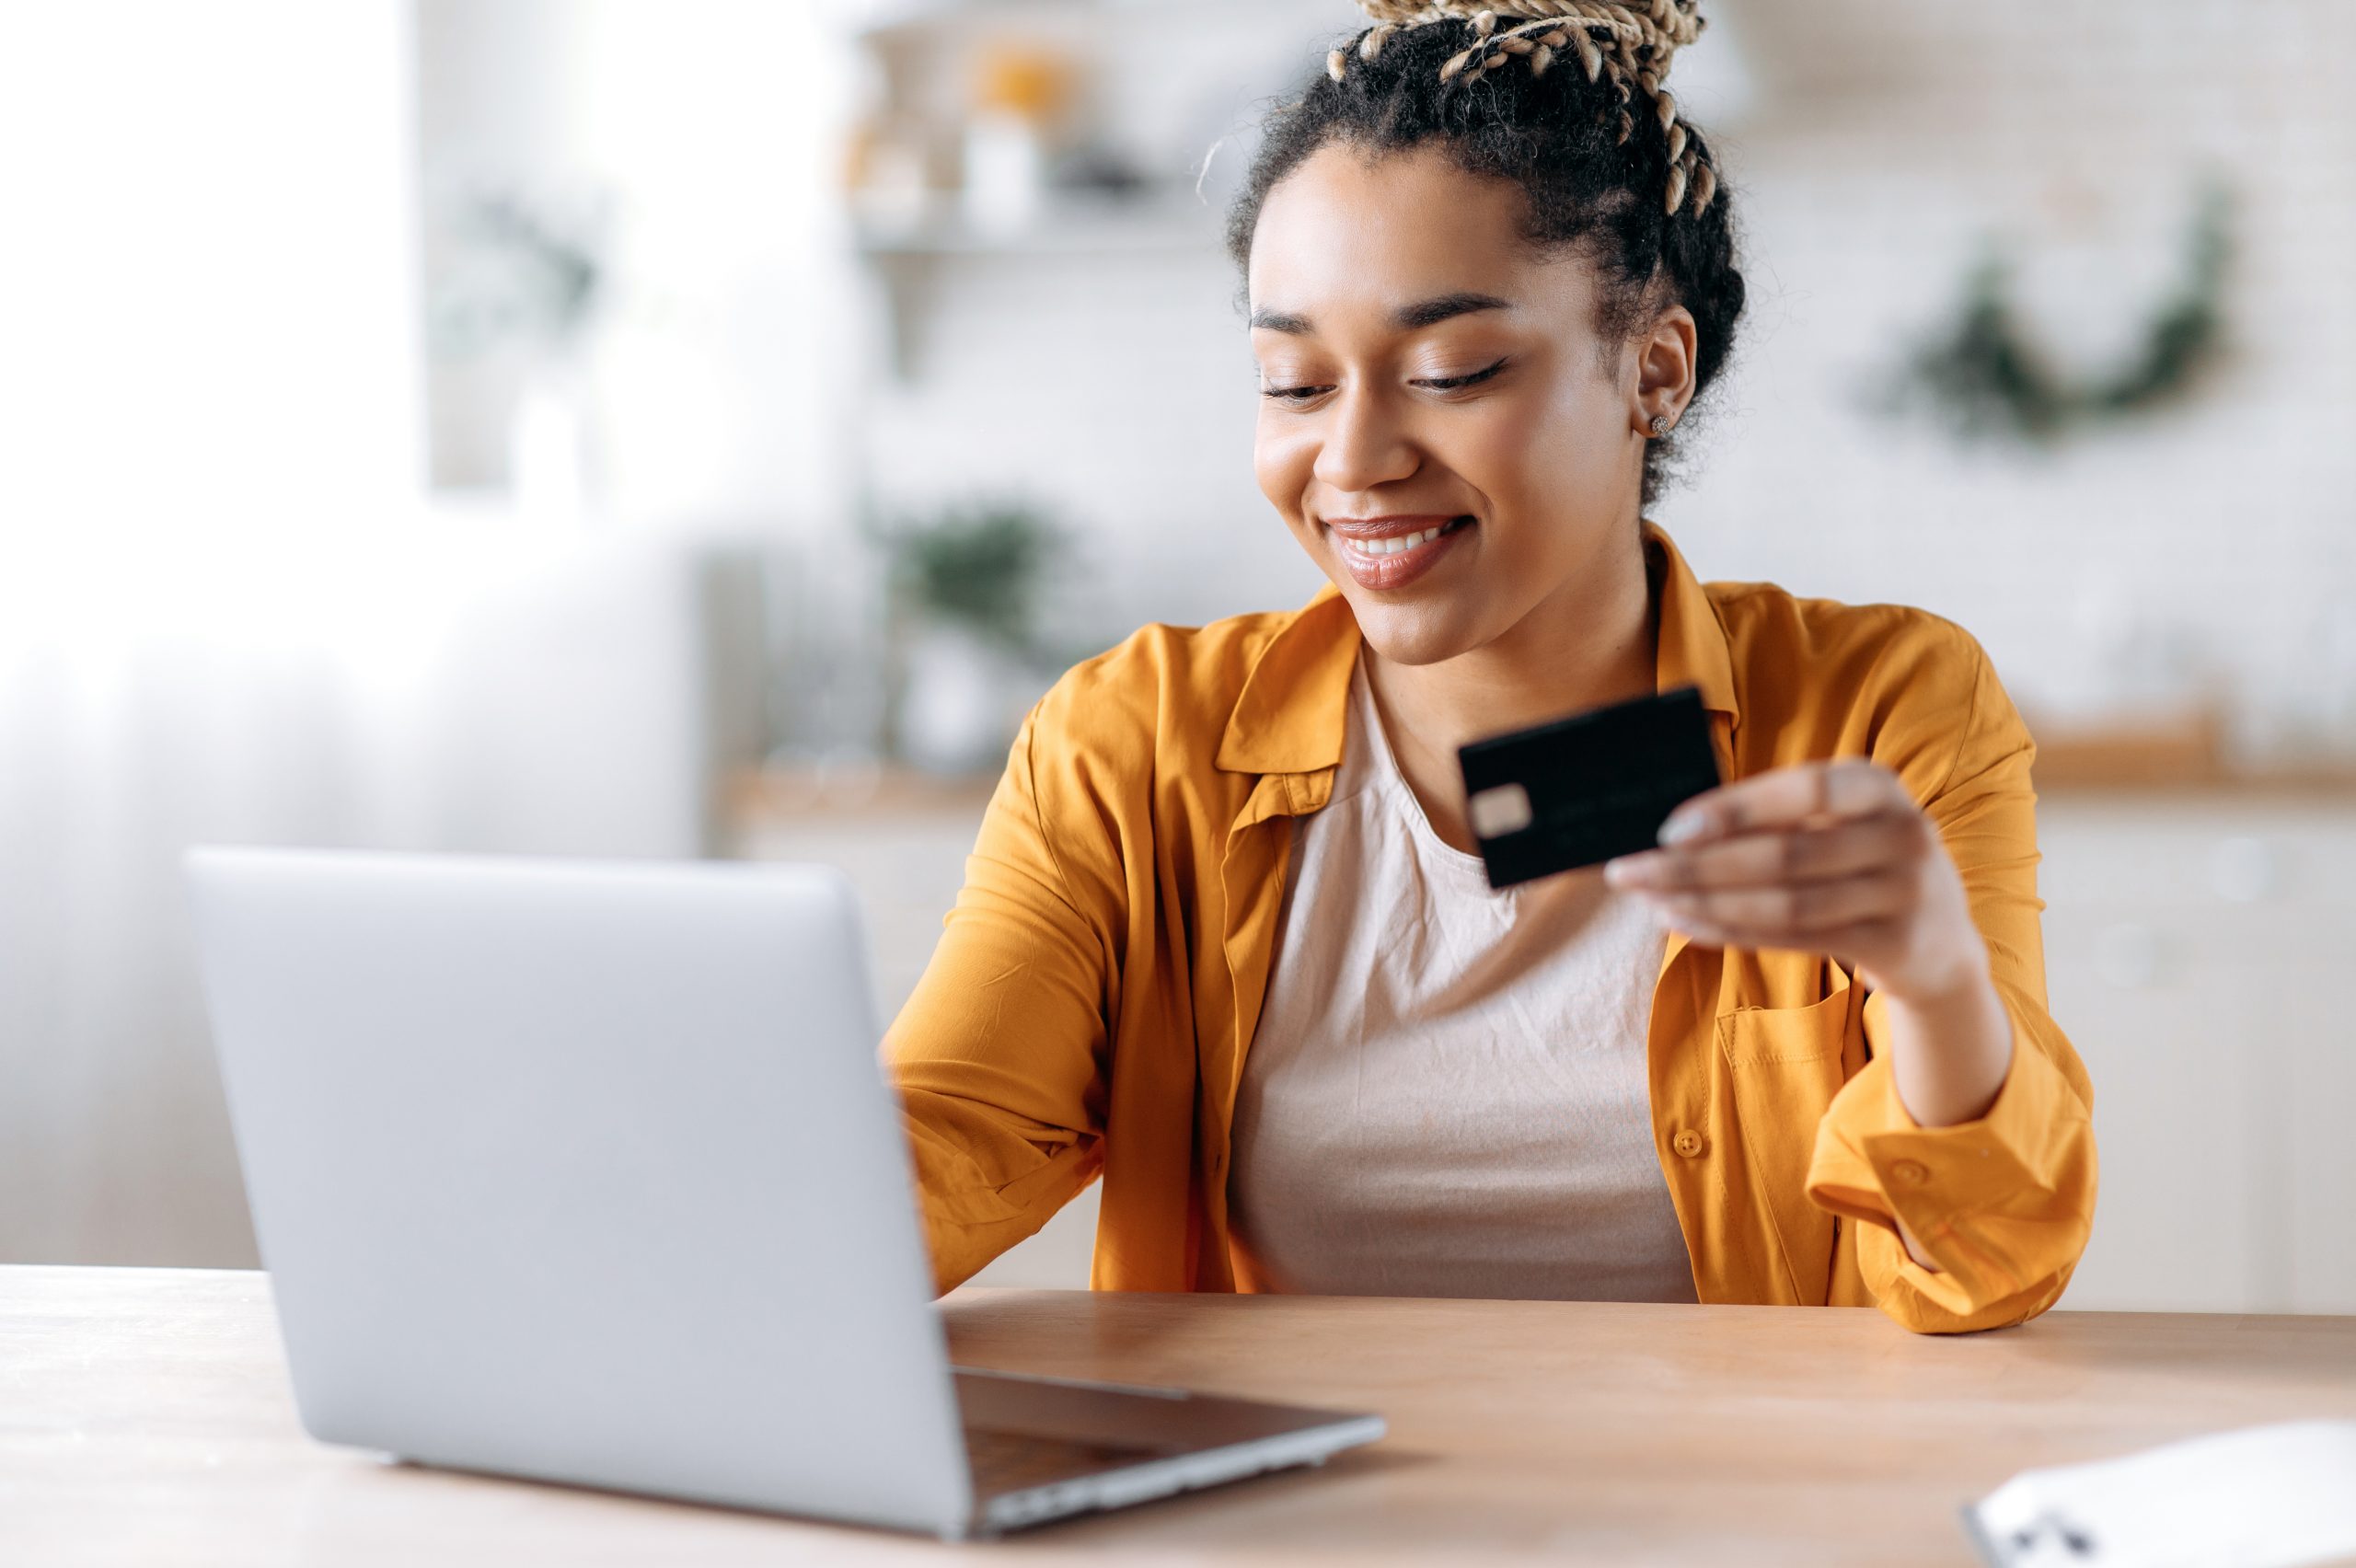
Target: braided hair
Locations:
point(1565, 98)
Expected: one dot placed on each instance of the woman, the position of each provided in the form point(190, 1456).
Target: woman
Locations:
point(1224, 942)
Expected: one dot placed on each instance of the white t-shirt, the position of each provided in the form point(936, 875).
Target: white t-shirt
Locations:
point(1446, 1093)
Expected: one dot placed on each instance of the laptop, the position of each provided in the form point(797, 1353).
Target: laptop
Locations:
point(588, 1172)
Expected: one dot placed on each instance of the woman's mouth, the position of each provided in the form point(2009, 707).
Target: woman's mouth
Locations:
point(1390, 552)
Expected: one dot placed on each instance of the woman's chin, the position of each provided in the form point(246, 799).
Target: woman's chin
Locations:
point(1426, 630)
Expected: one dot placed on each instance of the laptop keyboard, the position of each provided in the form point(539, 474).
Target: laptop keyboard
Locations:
point(1015, 1461)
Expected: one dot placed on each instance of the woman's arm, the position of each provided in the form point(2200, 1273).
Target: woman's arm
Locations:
point(999, 1056)
point(1949, 1056)
point(1965, 1143)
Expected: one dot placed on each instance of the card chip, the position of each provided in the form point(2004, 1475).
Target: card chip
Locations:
point(1504, 808)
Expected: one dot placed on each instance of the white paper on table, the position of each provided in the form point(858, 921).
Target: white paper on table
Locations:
point(2262, 1497)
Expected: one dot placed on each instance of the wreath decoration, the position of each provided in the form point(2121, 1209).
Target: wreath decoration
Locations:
point(1986, 375)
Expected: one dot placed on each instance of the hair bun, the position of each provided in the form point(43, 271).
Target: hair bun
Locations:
point(1632, 41)
point(1658, 28)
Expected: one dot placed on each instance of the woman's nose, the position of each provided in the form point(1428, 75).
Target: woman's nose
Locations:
point(1364, 445)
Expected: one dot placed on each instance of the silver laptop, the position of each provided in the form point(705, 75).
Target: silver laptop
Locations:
point(589, 1172)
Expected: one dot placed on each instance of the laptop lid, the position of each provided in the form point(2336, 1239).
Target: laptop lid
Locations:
point(583, 1171)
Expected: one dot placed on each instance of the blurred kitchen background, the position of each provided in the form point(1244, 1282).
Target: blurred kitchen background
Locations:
point(588, 427)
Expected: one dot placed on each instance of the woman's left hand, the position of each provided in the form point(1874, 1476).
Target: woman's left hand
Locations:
point(1829, 857)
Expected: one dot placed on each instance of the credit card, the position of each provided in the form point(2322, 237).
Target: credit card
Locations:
point(1579, 790)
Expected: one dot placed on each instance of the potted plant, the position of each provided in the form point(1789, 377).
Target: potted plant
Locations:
point(964, 655)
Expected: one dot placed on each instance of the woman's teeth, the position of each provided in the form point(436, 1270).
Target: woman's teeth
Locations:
point(1398, 542)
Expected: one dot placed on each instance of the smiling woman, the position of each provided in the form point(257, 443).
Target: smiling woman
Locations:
point(1224, 940)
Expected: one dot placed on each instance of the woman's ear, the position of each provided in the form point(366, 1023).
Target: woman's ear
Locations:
point(1664, 384)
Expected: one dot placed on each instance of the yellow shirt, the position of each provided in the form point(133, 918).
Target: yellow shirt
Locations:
point(1086, 1012)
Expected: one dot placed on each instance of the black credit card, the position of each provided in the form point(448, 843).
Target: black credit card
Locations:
point(1575, 792)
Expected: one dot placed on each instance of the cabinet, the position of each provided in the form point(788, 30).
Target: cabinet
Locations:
point(2194, 946)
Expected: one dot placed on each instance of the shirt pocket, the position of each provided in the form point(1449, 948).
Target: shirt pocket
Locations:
point(1786, 1065)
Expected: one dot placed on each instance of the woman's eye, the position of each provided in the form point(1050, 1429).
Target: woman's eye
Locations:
point(1302, 394)
point(1450, 382)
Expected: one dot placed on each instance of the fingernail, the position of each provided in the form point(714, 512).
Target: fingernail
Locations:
point(1679, 828)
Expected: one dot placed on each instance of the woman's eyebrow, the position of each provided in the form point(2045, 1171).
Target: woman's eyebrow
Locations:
point(1406, 317)
point(1428, 312)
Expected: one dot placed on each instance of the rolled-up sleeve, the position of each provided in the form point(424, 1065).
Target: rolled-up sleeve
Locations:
point(2004, 1204)
point(999, 1056)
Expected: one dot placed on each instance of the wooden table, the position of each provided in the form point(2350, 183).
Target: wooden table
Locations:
point(145, 1420)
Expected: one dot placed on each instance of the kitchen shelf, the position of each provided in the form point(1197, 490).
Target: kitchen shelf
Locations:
point(1174, 223)
point(903, 260)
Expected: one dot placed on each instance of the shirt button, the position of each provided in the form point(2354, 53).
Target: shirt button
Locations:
point(1687, 1143)
point(1911, 1172)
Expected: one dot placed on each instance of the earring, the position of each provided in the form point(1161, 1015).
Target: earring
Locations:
point(1660, 426)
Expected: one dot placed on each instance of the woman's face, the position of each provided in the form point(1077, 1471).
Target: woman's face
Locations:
point(1421, 369)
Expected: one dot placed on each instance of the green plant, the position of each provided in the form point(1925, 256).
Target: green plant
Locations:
point(979, 565)
point(1987, 376)
point(521, 268)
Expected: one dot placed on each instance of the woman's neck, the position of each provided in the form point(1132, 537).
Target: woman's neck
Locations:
point(1594, 642)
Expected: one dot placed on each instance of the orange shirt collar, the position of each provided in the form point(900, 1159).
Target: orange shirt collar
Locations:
point(1289, 716)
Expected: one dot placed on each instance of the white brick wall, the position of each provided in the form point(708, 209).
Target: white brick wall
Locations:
point(2076, 131)
point(2210, 544)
